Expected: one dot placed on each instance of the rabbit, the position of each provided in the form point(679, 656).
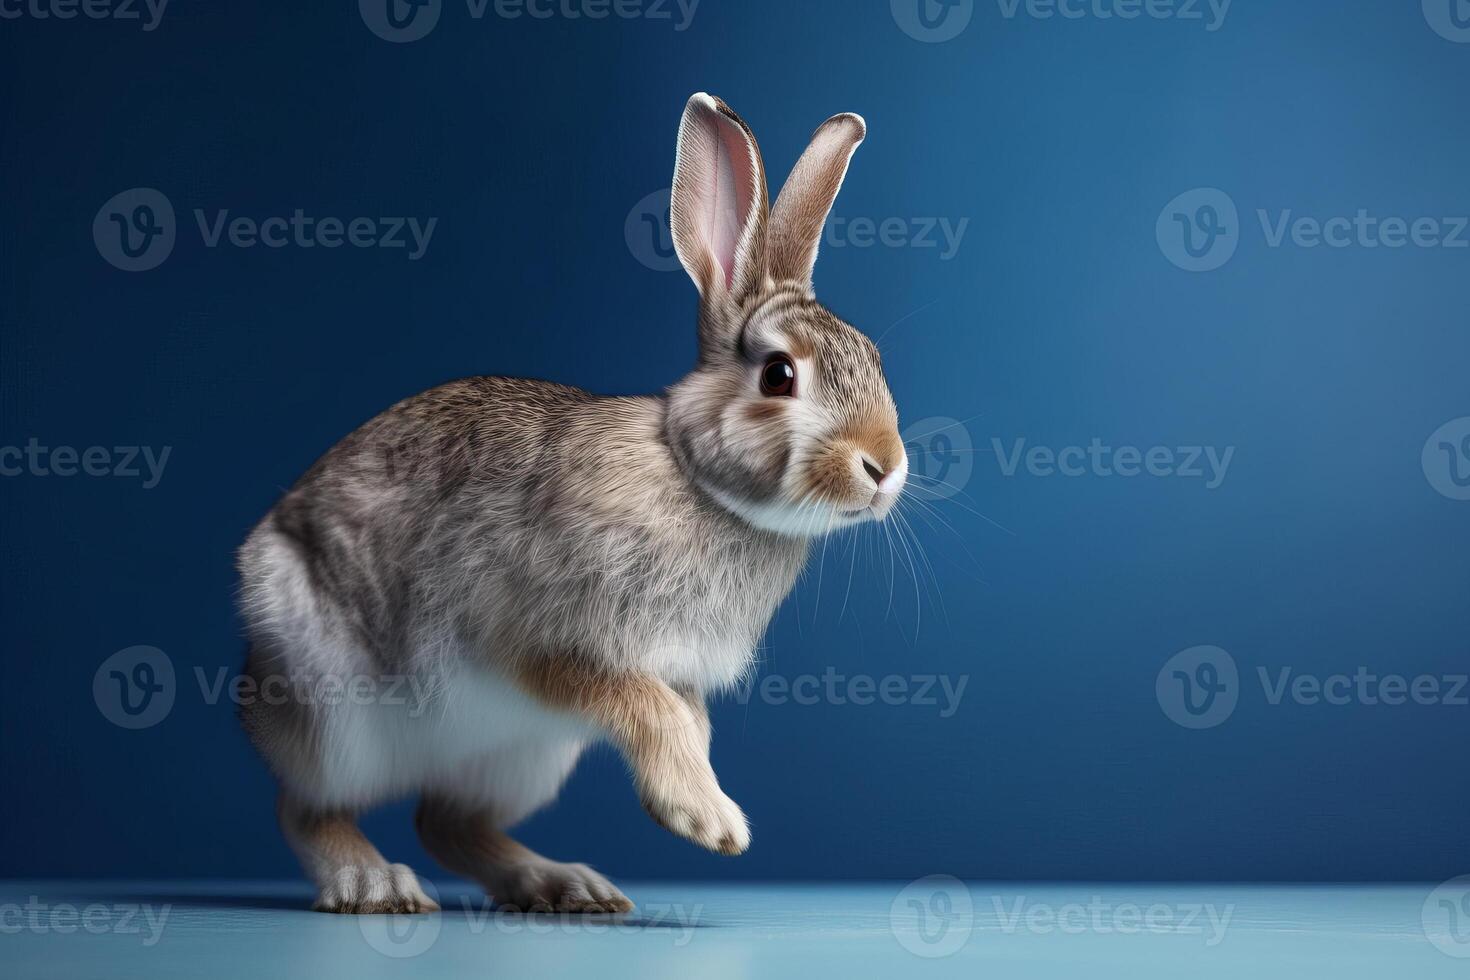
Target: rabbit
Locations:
point(551, 568)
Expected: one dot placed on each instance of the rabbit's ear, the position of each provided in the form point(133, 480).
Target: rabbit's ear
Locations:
point(803, 204)
point(718, 205)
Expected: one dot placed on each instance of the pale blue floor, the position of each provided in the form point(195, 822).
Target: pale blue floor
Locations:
point(263, 931)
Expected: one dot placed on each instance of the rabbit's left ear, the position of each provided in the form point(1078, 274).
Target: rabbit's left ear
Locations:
point(804, 203)
point(718, 203)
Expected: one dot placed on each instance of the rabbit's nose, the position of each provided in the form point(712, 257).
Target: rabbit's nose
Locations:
point(892, 481)
point(886, 483)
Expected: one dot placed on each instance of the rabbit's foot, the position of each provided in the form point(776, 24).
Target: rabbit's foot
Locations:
point(699, 811)
point(366, 890)
point(541, 885)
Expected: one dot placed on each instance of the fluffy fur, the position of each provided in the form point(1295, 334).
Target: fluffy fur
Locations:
point(551, 568)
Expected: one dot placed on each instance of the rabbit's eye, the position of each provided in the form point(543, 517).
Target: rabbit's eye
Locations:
point(778, 377)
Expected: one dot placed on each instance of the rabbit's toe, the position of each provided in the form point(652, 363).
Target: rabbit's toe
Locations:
point(703, 815)
point(363, 890)
point(549, 886)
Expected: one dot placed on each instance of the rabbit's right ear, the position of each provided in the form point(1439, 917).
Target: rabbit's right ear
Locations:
point(718, 203)
point(806, 199)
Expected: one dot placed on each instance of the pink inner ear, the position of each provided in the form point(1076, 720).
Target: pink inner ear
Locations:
point(730, 196)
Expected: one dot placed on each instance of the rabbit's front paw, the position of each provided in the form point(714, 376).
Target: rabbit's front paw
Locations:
point(392, 889)
point(698, 811)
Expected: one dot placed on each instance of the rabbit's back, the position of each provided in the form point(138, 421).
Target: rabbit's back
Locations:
point(506, 518)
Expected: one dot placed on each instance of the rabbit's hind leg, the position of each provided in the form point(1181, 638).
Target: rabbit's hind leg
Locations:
point(467, 842)
point(349, 873)
point(463, 828)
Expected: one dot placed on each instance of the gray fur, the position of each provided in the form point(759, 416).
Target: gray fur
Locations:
point(491, 523)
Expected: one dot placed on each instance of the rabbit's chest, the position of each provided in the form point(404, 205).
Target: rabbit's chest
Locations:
point(683, 599)
point(704, 633)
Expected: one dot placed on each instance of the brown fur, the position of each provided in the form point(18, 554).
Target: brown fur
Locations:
point(663, 735)
point(350, 874)
point(469, 843)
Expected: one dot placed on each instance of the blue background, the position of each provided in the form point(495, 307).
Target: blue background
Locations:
point(1058, 320)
